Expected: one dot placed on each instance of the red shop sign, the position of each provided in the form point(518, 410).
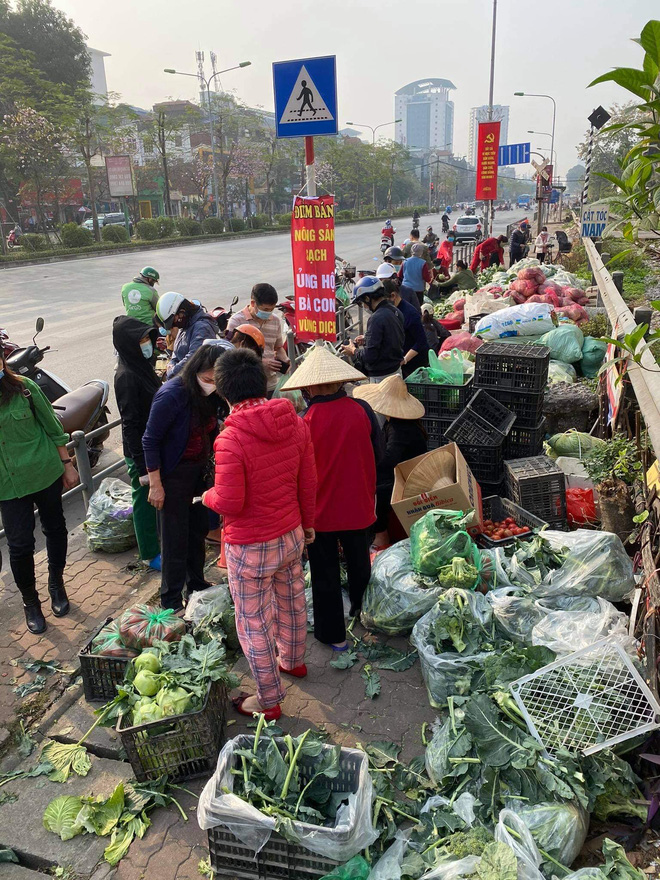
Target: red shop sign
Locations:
point(313, 251)
point(488, 145)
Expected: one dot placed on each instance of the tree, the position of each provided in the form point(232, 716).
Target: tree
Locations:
point(193, 178)
point(57, 43)
point(233, 121)
point(168, 122)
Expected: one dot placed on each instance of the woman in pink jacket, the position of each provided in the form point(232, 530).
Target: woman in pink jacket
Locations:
point(265, 487)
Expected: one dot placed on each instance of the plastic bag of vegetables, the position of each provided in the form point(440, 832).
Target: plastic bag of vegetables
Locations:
point(559, 372)
point(109, 643)
point(565, 343)
point(566, 629)
point(396, 596)
point(516, 615)
point(560, 828)
point(438, 537)
point(573, 444)
point(452, 641)
point(109, 523)
point(593, 355)
point(142, 625)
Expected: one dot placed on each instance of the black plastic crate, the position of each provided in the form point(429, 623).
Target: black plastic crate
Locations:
point(526, 406)
point(513, 366)
point(182, 746)
point(483, 422)
point(524, 442)
point(441, 401)
point(496, 509)
point(539, 486)
point(485, 462)
point(436, 430)
point(474, 320)
point(489, 488)
point(279, 858)
point(101, 675)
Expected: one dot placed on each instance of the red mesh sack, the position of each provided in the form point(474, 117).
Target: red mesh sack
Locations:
point(109, 643)
point(532, 274)
point(580, 506)
point(142, 625)
point(574, 312)
point(550, 286)
point(463, 341)
point(525, 286)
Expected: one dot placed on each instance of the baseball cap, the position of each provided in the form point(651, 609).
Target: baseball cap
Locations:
point(386, 270)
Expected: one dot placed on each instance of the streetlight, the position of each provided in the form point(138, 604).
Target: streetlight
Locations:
point(554, 111)
point(373, 130)
point(207, 83)
point(553, 153)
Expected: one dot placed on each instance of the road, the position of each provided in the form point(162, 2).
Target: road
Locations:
point(79, 298)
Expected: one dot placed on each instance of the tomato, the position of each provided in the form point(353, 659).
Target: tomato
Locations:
point(507, 533)
point(487, 523)
point(524, 530)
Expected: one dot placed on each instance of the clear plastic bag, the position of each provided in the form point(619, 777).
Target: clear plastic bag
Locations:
point(207, 603)
point(352, 831)
point(109, 523)
point(559, 372)
point(388, 866)
point(565, 631)
point(460, 869)
point(558, 828)
point(439, 536)
point(523, 846)
point(597, 566)
point(451, 673)
point(396, 596)
point(142, 625)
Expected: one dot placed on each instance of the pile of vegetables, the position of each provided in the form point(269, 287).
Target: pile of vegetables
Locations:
point(138, 627)
point(438, 537)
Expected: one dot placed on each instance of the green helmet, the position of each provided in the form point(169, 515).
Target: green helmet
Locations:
point(150, 272)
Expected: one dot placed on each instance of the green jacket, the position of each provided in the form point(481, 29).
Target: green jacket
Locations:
point(139, 301)
point(29, 460)
point(461, 280)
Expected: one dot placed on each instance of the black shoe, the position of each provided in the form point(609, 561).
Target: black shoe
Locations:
point(34, 619)
point(355, 610)
point(59, 601)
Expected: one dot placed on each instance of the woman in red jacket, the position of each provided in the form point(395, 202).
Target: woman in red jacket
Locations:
point(265, 487)
point(489, 253)
point(347, 442)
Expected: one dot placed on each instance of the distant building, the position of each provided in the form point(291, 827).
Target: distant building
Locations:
point(99, 82)
point(480, 114)
point(426, 114)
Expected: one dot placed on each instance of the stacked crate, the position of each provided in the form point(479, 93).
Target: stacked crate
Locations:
point(442, 404)
point(538, 485)
point(516, 374)
point(480, 432)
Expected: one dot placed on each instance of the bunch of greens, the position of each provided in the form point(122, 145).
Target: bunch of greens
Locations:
point(459, 626)
point(459, 574)
point(122, 816)
point(618, 459)
point(438, 537)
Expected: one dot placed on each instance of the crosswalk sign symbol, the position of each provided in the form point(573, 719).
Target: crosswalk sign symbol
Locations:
point(305, 97)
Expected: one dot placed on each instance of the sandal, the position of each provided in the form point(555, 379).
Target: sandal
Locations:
point(271, 714)
point(296, 672)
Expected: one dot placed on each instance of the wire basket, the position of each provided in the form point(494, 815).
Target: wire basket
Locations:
point(588, 701)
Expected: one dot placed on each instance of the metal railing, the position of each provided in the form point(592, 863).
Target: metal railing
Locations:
point(88, 481)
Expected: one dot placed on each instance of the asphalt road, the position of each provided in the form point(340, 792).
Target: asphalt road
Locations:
point(79, 299)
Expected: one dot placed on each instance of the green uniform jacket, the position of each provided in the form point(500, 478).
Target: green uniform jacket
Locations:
point(462, 280)
point(139, 301)
point(29, 460)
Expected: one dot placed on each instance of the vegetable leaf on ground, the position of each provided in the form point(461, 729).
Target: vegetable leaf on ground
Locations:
point(61, 816)
point(371, 680)
point(382, 752)
point(344, 660)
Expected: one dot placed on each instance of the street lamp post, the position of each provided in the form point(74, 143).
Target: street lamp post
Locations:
point(553, 152)
point(554, 118)
point(207, 84)
point(373, 130)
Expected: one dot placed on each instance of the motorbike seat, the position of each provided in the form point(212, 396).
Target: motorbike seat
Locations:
point(76, 409)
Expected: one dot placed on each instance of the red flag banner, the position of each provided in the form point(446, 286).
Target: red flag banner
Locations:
point(313, 251)
point(488, 145)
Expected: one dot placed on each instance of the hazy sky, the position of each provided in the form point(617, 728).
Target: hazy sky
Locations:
point(381, 45)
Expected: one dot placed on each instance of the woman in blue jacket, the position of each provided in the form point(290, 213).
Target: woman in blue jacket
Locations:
point(177, 445)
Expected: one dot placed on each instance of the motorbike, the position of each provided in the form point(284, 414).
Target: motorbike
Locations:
point(445, 223)
point(223, 315)
point(415, 223)
point(13, 239)
point(385, 243)
point(81, 410)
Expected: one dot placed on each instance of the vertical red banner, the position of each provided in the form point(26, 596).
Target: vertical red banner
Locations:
point(313, 251)
point(488, 145)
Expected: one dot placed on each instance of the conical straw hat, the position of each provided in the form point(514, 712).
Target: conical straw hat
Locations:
point(437, 470)
point(320, 367)
point(391, 398)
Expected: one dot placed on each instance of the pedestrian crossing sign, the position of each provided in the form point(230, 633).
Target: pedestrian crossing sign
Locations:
point(305, 97)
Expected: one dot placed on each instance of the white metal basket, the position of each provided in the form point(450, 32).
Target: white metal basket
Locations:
point(587, 701)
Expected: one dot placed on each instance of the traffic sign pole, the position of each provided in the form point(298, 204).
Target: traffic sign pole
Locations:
point(310, 168)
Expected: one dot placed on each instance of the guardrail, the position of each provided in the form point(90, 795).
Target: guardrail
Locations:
point(88, 481)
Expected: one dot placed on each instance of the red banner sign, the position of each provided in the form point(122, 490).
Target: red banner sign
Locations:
point(313, 251)
point(488, 145)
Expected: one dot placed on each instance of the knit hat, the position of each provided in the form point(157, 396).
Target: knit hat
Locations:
point(391, 398)
point(320, 367)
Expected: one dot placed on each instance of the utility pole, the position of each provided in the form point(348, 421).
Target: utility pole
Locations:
point(490, 212)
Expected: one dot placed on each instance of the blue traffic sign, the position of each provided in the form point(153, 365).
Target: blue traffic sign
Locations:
point(514, 154)
point(305, 97)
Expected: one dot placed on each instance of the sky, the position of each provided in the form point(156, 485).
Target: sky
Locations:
point(381, 45)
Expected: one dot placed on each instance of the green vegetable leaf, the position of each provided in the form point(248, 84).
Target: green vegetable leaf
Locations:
point(497, 863)
point(276, 766)
point(498, 743)
point(7, 855)
point(47, 666)
point(397, 661)
point(100, 816)
point(617, 866)
point(65, 758)
point(383, 752)
point(120, 842)
point(641, 517)
point(25, 742)
point(372, 681)
point(30, 687)
point(61, 816)
point(344, 660)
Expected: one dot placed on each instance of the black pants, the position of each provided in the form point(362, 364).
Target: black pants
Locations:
point(420, 296)
point(541, 257)
point(18, 521)
point(515, 255)
point(329, 625)
point(383, 504)
point(182, 527)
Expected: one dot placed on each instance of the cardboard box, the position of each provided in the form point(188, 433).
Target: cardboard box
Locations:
point(464, 493)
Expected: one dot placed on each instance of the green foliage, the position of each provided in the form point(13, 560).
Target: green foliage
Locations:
point(114, 232)
point(188, 227)
point(164, 227)
point(344, 215)
point(213, 226)
point(235, 224)
point(597, 326)
point(147, 230)
point(61, 816)
point(259, 221)
point(74, 236)
point(33, 242)
point(616, 459)
point(283, 219)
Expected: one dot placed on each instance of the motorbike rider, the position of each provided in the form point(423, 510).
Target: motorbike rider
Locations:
point(445, 222)
point(388, 231)
point(431, 241)
point(139, 296)
point(382, 352)
point(394, 255)
point(194, 325)
point(415, 218)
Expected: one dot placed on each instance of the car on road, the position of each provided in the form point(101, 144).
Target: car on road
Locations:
point(116, 218)
point(468, 227)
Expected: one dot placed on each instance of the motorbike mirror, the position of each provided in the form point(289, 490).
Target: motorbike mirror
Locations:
point(40, 325)
point(234, 301)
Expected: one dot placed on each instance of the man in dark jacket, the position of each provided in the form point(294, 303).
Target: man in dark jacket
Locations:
point(382, 352)
point(517, 246)
point(415, 344)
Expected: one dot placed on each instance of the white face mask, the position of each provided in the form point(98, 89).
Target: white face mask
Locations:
point(205, 386)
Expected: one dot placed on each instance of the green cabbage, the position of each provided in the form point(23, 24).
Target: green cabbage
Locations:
point(174, 701)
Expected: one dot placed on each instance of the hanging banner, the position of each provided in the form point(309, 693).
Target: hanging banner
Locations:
point(488, 145)
point(313, 251)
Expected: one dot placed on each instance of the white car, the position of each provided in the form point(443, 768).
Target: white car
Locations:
point(468, 227)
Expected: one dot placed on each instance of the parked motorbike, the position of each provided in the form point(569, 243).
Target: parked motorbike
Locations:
point(223, 315)
point(81, 410)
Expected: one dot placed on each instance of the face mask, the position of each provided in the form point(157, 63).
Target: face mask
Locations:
point(206, 388)
point(263, 316)
point(147, 349)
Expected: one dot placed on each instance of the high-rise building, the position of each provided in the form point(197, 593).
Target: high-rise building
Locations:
point(426, 114)
point(99, 82)
point(480, 114)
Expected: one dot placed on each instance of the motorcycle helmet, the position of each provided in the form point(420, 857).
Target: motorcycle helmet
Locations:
point(150, 272)
point(367, 286)
point(168, 305)
point(253, 332)
point(388, 223)
point(394, 253)
point(386, 270)
point(448, 209)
